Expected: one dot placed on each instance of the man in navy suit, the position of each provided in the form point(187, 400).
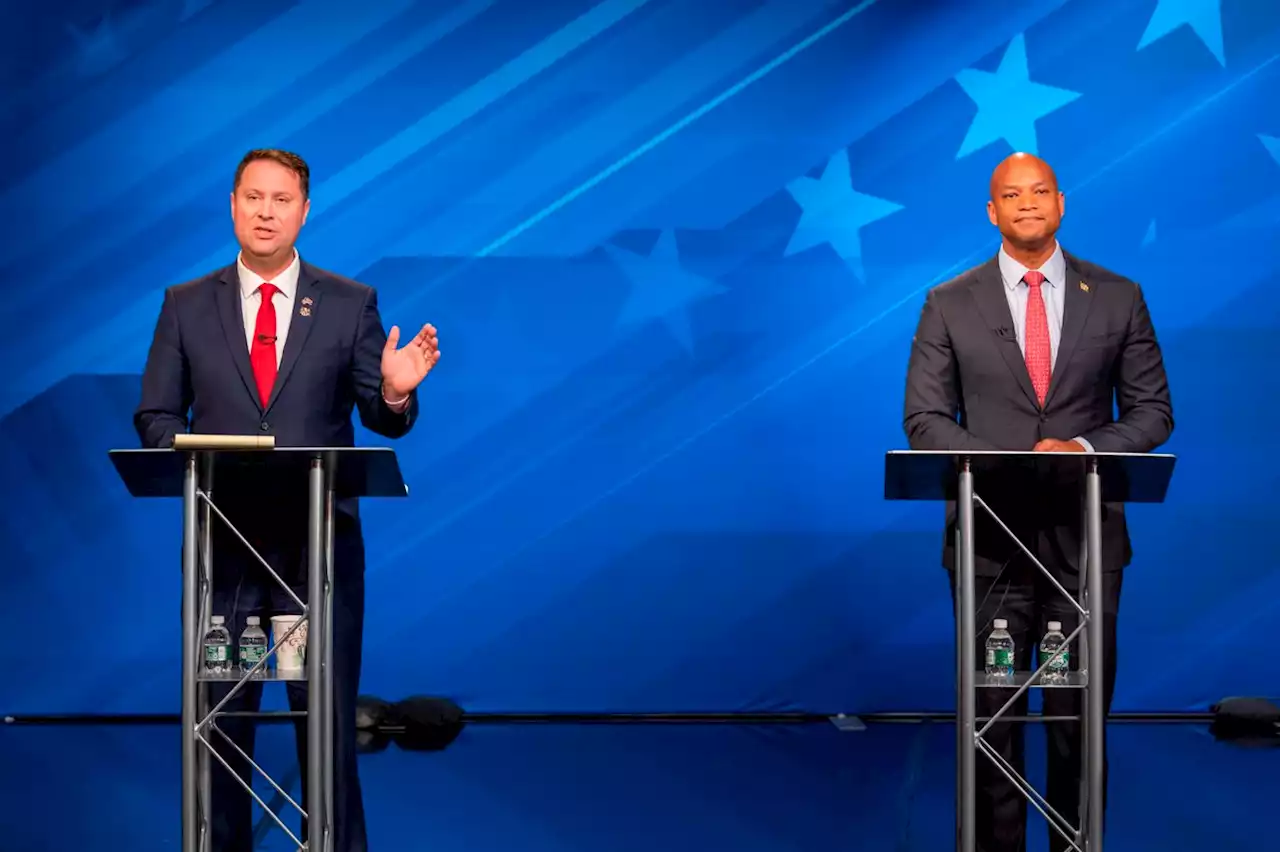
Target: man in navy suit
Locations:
point(1036, 350)
point(272, 345)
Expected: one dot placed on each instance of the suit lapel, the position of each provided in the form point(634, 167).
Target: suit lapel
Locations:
point(305, 303)
point(993, 304)
point(231, 313)
point(1076, 301)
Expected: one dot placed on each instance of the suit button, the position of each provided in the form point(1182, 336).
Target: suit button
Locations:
point(264, 426)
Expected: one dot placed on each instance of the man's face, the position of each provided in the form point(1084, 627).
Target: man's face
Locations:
point(1025, 203)
point(268, 209)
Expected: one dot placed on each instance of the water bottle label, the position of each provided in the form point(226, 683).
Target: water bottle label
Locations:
point(1059, 664)
point(215, 653)
point(251, 654)
point(1000, 658)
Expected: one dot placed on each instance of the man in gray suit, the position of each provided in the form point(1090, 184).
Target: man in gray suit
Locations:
point(1035, 350)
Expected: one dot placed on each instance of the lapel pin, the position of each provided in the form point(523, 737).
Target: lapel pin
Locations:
point(1084, 286)
point(306, 300)
point(304, 311)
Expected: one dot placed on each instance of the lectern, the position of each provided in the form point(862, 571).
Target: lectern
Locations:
point(955, 476)
point(190, 470)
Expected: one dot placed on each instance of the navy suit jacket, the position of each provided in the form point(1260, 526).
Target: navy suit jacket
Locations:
point(968, 389)
point(198, 377)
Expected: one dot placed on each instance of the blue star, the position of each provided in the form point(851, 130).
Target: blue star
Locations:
point(98, 50)
point(832, 211)
point(1203, 16)
point(661, 288)
point(1273, 146)
point(1008, 102)
point(191, 8)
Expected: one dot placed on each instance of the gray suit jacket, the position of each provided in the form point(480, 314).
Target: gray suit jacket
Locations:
point(968, 388)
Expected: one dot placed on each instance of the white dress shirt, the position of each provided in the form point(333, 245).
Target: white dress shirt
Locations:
point(251, 299)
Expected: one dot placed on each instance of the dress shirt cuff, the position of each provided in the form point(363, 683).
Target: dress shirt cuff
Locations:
point(399, 406)
point(1088, 448)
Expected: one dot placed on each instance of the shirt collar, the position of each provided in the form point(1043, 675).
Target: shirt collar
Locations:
point(1054, 269)
point(286, 281)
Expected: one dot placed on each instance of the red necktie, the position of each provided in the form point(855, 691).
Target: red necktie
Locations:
point(262, 353)
point(1037, 352)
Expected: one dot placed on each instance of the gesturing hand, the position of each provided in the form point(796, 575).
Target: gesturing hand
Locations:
point(404, 369)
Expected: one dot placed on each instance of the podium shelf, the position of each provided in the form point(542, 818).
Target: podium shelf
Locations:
point(264, 676)
point(982, 680)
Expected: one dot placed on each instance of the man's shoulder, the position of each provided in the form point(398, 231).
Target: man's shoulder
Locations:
point(961, 285)
point(338, 285)
point(1098, 275)
point(193, 288)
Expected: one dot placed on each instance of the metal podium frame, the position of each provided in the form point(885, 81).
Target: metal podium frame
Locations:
point(1108, 477)
point(331, 473)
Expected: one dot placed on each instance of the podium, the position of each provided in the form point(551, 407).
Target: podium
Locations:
point(190, 470)
point(954, 476)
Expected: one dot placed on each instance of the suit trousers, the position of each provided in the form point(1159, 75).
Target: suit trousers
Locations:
point(241, 588)
point(1023, 596)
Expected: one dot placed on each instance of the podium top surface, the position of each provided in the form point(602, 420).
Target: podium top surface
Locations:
point(357, 471)
point(933, 474)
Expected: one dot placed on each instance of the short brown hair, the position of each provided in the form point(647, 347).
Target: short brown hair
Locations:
point(288, 159)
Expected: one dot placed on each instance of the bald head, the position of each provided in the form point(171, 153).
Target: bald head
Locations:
point(1026, 204)
point(1020, 167)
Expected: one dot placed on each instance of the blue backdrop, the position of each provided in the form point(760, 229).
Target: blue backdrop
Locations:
point(676, 250)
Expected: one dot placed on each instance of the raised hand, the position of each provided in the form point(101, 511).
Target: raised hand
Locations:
point(404, 369)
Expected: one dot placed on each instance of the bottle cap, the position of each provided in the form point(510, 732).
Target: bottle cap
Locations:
point(1000, 624)
point(219, 619)
point(254, 620)
point(1054, 626)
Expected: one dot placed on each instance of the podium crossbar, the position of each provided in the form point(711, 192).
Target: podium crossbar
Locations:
point(200, 738)
point(1032, 795)
point(259, 770)
point(1021, 546)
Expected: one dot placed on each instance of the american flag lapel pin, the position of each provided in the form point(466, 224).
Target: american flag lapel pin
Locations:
point(305, 310)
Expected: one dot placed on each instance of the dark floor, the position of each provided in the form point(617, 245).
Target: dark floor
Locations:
point(607, 787)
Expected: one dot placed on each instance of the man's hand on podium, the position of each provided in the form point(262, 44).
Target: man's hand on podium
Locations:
point(404, 369)
point(1053, 445)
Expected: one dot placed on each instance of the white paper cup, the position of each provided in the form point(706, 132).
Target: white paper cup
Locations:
point(292, 655)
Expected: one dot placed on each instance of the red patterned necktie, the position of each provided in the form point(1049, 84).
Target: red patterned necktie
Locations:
point(1038, 354)
point(262, 354)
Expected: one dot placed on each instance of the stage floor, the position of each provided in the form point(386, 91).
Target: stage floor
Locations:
point(641, 787)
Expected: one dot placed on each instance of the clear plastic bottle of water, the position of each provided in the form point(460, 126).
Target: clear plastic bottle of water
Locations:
point(1000, 650)
point(217, 647)
point(1052, 641)
point(253, 645)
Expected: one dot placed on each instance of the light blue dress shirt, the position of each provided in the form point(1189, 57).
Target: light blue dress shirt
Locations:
point(1054, 292)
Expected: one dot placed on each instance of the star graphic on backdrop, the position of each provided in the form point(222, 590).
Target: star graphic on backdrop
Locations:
point(832, 211)
point(1273, 146)
point(1150, 236)
point(98, 49)
point(191, 8)
point(661, 288)
point(1203, 16)
point(1008, 102)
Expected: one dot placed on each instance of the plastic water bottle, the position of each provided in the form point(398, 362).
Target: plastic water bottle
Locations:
point(1000, 650)
point(217, 647)
point(253, 645)
point(1052, 641)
